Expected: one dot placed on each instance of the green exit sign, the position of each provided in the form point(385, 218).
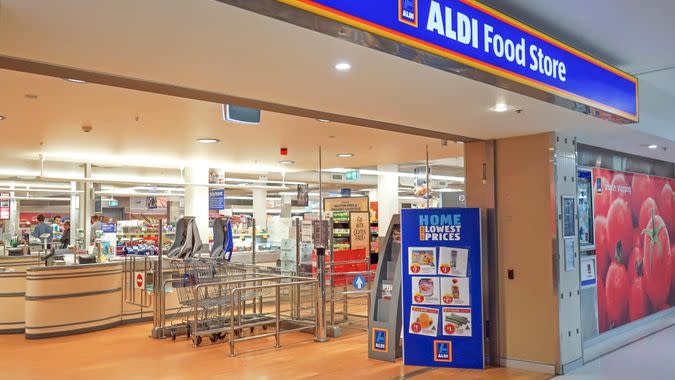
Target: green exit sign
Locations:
point(352, 175)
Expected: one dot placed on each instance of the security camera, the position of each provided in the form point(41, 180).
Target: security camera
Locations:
point(87, 128)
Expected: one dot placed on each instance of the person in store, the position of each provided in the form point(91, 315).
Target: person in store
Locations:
point(42, 228)
point(96, 225)
point(65, 238)
point(56, 223)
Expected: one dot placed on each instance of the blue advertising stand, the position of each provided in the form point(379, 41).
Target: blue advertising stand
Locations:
point(442, 288)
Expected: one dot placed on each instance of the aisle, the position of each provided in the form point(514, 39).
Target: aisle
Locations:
point(127, 353)
point(650, 358)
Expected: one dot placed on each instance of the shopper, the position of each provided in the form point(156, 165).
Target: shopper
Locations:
point(56, 223)
point(96, 225)
point(65, 238)
point(42, 228)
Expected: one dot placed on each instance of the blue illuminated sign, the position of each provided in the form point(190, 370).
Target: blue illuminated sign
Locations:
point(479, 36)
point(217, 199)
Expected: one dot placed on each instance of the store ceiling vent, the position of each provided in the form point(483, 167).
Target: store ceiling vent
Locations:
point(337, 177)
point(240, 114)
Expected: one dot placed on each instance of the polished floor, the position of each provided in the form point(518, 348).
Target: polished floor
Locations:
point(650, 358)
point(127, 353)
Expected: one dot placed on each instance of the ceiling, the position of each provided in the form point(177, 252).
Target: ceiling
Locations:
point(211, 46)
point(136, 128)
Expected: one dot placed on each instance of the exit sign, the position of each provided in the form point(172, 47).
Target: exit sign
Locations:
point(352, 175)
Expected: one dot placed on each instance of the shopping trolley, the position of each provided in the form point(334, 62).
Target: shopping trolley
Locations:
point(206, 288)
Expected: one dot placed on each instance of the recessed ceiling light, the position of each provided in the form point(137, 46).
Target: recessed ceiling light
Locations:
point(208, 141)
point(501, 107)
point(459, 142)
point(652, 146)
point(345, 155)
point(323, 120)
point(343, 66)
point(2, 117)
point(78, 81)
point(286, 162)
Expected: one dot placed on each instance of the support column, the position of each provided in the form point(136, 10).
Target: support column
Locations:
point(13, 215)
point(86, 203)
point(387, 195)
point(260, 207)
point(74, 213)
point(197, 198)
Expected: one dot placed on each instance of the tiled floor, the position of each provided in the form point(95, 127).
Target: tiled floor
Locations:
point(651, 358)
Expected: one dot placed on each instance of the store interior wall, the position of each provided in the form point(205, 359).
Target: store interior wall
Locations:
point(528, 311)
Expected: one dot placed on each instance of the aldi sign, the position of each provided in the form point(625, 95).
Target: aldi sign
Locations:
point(478, 36)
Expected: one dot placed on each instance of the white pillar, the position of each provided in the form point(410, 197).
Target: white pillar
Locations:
point(74, 213)
point(260, 207)
point(387, 195)
point(86, 205)
point(197, 198)
point(13, 214)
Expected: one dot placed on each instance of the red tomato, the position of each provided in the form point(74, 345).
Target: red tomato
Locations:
point(645, 214)
point(672, 282)
point(641, 189)
point(665, 201)
point(657, 265)
point(601, 246)
point(620, 228)
point(620, 189)
point(617, 291)
point(602, 306)
point(637, 238)
point(637, 303)
point(635, 265)
point(601, 200)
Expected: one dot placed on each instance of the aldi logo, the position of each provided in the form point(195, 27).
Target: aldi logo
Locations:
point(442, 351)
point(380, 341)
point(408, 12)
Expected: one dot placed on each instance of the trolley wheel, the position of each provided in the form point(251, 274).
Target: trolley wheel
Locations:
point(222, 336)
point(214, 338)
point(188, 331)
point(252, 329)
point(264, 327)
point(173, 335)
point(197, 340)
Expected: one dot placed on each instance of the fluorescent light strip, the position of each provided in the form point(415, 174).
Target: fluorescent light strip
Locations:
point(262, 181)
point(38, 199)
point(60, 191)
point(399, 174)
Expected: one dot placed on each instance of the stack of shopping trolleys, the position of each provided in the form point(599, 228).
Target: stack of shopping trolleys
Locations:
point(208, 301)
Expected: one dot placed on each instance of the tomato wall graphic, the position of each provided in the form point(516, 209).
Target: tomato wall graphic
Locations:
point(635, 245)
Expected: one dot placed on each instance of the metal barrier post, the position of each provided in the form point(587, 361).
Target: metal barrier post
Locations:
point(320, 333)
point(158, 292)
point(277, 314)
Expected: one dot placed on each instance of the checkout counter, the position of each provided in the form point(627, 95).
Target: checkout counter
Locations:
point(72, 299)
point(13, 290)
point(58, 300)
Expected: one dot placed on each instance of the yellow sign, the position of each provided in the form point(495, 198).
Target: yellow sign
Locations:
point(359, 228)
point(346, 204)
